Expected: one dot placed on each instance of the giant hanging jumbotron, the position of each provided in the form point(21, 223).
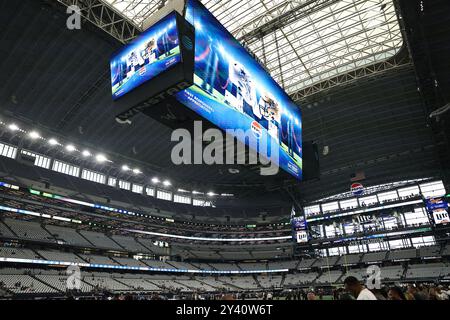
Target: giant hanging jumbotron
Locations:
point(192, 68)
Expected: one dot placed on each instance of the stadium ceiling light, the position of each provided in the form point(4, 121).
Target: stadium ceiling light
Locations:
point(86, 153)
point(53, 142)
point(13, 127)
point(71, 148)
point(125, 168)
point(34, 135)
point(101, 158)
point(167, 183)
point(137, 171)
point(156, 180)
point(211, 194)
point(227, 195)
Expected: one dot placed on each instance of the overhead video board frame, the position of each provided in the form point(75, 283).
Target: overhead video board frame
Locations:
point(217, 80)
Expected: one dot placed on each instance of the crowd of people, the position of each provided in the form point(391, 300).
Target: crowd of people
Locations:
point(354, 290)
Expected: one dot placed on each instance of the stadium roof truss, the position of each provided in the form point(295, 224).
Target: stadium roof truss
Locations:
point(106, 18)
point(304, 44)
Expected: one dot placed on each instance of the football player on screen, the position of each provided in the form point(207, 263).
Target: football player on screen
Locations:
point(209, 73)
point(288, 132)
point(150, 53)
point(245, 99)
point(134, 63)
point(269, 109)
point(165, 43)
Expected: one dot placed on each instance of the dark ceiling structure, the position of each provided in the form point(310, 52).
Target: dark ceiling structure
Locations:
point(381, 125)
point(427, 30)
point(57, 80)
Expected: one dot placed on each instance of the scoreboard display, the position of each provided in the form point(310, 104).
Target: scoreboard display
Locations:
point(234, 92)
point(188, 67)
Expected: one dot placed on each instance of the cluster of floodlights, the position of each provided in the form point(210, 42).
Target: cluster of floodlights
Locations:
point(100, 158)
point(70, 148)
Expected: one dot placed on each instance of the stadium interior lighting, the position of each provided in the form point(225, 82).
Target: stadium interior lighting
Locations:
point(137, 171)
point(53, 142)
point(211, 194)
point(13, 127)
point(34, 135)
point(156, 180)
point(71, 148)
point(125, 168)
point(227, 195)
point(167, 183)
point(86, 153)
point(101, 158)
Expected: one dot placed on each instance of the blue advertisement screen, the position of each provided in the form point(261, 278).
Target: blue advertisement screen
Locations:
point(234, 92)
point(438, 209)
point(299, 229)
point(299, 223)
point(436, 203)
point(150, 54)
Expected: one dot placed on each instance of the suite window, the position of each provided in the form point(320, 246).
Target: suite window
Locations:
point(8, 151)
point(328, 207)
point(112, 182)
point(201, 203)
point(312, 210)
point(66, 168)
point(93, 176)
point(182, 199)
point(39, 160)
point(433, 189)
point(387, 196)
point(410, 191)
point(164, 195)
point(150, 191)
point(138, 188)
point(125, 185)
point(368, 201)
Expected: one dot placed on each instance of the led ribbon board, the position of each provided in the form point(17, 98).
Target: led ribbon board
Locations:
point(148, 269)
point(233, 91)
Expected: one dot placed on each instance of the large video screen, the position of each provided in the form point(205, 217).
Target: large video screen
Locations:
point(153, 52)
point(234, 92)
point(438, 209)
